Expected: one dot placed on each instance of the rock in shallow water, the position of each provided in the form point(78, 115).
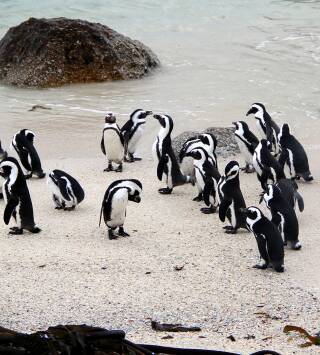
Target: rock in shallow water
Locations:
point(54, 52)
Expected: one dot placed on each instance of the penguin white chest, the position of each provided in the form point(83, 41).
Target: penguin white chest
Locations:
point(113, 146)
point(132, 145)
point(118, 208)
point(260, 127)
point(244, 150)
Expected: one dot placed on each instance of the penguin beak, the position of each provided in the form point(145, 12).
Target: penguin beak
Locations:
point(148, 113)
point(137, 199)
point(243, 210)
point(156, 116)
point(234, 123)
point(250, 112)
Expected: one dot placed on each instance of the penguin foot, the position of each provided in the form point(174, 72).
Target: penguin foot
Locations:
point(248, 170)
point(308, 178)
point(119, 169)
point(260, 266)
point(208, 210)
point(35, 230)
point(198, 198)
point(16, 231)
point(39, 174)
point(296, 246)
point(231, 231)
point(28, 176)
point(59, 208)
point(69, 208)
point(122, 233)
point(228, 227)
point(137, 159)
point(165, 191)
point(279, 268)
point(111, 235)
point(109, 168)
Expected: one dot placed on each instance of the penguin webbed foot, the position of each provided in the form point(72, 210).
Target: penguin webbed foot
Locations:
point(59, 208)
point(198, 198)
point(16, 231)
point(137, 159)
point(111, 235)
point(248, 169)
point(119, 169)
point(165, 191)
point(230, 230)
point(69, 208)
point(208, 210)
point(39, 174)
point(35, 230)
point(260, 266)
point(108, 168)
point(130, 158)
point(28, 176)
point(122, 233)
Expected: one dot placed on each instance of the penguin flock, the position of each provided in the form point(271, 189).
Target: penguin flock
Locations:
point(196, 164)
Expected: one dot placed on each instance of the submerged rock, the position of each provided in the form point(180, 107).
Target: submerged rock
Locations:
point(58, 51)
point(227, 144)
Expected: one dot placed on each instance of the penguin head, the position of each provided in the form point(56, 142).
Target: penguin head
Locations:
point(139, 115)
point(257, 109)
point(231, 170)
point(241, 126)
point(284, 131)
point(110, 117)
point(266, 144)
point(10, 167)
point(253, 214)
point(165, 121)
point(3, 153)
point(197, 154)
point(209, 139)
point(135, 190)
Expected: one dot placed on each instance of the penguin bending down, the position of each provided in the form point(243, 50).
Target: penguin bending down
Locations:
point(207, 178)
point(115, 202)
point(112, 143)
point(22, 142)
point(293, 154)
point(268, 238)
point(283, 216)
point(289, 191)
point(268, 129)
point(163, 154)
point(231, 198)
point(132, 132)
point(66, 191)
point(266, 165)
point(17, 198)
point(3, 155)
point(247, 143)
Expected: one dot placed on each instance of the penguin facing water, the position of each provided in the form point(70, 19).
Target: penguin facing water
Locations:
point(268, 238)
point(167, 164)
point(23, 143)
point(17, 197)
point(247, 143)
point(67, 193)
point(293, 154)
point(268, 129)
point(132, 132)
point(112, 143)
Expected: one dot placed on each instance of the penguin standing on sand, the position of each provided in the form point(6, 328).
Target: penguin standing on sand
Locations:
point(17, 198)
point(283, 216)
point(268, 238)
point(66, 191)
point(23, 143)
point(132, 132)
point(247, 143)
point(112, 143)
point(266, 165)
point(267, 127)
point(3, 155)
point(293, 154)
point(115, 202)
point(231, 198)
point(163, 154)
point(207, 178)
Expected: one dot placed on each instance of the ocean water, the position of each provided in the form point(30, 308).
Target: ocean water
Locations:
point(217, 58)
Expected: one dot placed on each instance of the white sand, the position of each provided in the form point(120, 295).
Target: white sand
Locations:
point(72, 273)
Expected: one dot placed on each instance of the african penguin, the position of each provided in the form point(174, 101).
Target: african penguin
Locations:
point(283, 216)
point(231, 198)
point(3, 155)
point(132, 132)
point(23, 143)
point(115, 202)
point(207, 178)
point(293, 154)
point(266, 165)
point(163, 154)
point(17, 197)
point(289, 190)
point(267, 127)
point(66, 191)
point(112, 143)
point(247, 143)
point(268, 238)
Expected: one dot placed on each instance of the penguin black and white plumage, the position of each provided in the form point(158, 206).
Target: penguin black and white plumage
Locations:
point(132, 132)
point(289, 191)
point(114, 204)
point(266, 165)
point(268, 238)
point(17, 197)
point(247, 143)
point(167, 164)
point(231, 198)
point(112, 143)
point(283, 216)
point(207, 178)
point(293, 154)
point(3, 155)
point(23, 143)
point(268, 129)
point(67, 193)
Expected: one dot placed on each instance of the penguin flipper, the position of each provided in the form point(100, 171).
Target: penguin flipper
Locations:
point(11, 205)
point(161, 166)
point(223, 208)
point(299, 198)
point(103, 149)
point(34, 157)
point(64, 189)
point(23, 155)
point(208, 187)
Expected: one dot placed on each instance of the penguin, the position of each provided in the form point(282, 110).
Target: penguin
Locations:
point(289, 191)
point(163, 154)
point(268, 238)
point(17, 198)
point(267, 127)
point(3, 155)
point(247, 143)
point(132, 132)
point(231, 198)
point(23, 143)
point(112, 143)
point(115, 202)
point(266, 165)
point(207, 178)
point(67, 193)
point(293, 154)
point(283, 216)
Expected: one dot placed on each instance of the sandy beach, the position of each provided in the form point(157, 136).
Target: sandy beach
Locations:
point(72, 273)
